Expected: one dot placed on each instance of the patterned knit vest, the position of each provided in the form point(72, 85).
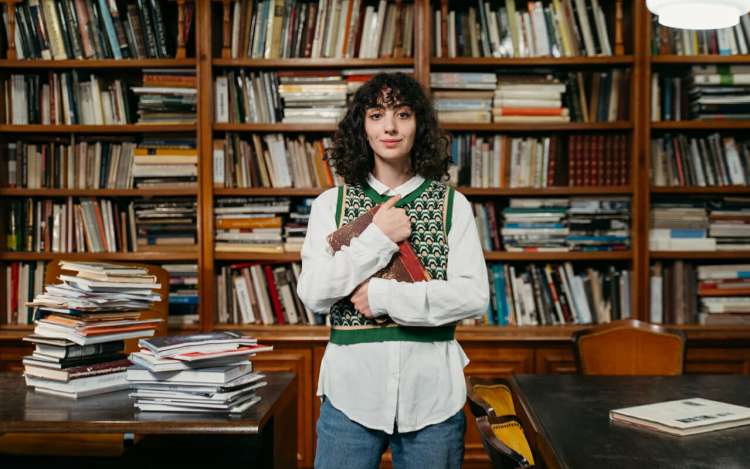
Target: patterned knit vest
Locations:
point(429, 207)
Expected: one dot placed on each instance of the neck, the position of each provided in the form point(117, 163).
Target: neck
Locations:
point(392, 173)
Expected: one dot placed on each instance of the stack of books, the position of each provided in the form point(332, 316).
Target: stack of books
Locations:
point(250, 224)
point(536, 225)
point(724, 294)
point(168, 96)
point(183, 293)
point(463, 97)
point(601, 224)
point(81, 324)
point(163, 223)
point(529, 98)
point(296, 229)
point(719, 92)
point(729, 223)
point(165, 163)
point(313, 96)
point(680, 226)
point(356, 77)
point(210, 373)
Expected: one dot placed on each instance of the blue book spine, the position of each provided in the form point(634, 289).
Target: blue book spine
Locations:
point(110, 27)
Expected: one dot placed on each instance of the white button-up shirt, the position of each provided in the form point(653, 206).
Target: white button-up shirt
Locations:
point(380, 383)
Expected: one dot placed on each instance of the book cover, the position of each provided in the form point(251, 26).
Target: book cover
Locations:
point(404, 265)
point(684, 417)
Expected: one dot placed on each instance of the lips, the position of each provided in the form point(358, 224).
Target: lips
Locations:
point(390, 142)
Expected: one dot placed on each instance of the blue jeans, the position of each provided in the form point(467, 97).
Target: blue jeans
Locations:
point(343, 443)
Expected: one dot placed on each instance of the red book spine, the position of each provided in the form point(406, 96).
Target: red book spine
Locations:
point(278, 310)
point(572, 140)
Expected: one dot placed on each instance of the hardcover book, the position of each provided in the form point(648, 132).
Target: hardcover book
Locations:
point(683, 417)
point(404, 265)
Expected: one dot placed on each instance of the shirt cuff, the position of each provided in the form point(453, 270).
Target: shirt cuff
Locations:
point(373, 237)
point(377, 296)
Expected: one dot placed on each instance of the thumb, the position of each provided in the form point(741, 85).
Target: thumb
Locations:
point(390, 203)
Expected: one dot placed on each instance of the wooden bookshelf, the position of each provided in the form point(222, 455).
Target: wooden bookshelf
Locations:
point(492, 350)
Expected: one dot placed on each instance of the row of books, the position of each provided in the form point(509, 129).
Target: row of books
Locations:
point(679, 160)
point(100, 225)
point(539, 96)
point(183, 294)
point(726, 41)
point(502, 161)
point(562, 28)
point(272, 160)
point(93, 29)
point(21, 283)
point(276, 29)
point(712, 294)
point(534, 295)
point(252, 293)
point(157, 162)
point(554, 225)
point(708, 224)
point(705, 92)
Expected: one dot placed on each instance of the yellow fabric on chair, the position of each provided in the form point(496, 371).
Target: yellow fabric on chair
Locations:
point(512, 435)
point(498, 396)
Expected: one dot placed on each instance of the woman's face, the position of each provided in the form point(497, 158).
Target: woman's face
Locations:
point(390, 131)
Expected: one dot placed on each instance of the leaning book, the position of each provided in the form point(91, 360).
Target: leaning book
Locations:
point(684, 417)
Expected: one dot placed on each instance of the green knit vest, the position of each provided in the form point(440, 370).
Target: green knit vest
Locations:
point(429, 207)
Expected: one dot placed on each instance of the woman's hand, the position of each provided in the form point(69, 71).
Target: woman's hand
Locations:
point(393, 221)
point(360, 301)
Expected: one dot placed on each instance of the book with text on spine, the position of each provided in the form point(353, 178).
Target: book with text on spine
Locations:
point(404, 265)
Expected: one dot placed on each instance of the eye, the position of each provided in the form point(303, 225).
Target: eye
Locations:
point(375, 115)
point(404, 114)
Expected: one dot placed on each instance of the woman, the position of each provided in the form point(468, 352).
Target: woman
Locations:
point(392, 373)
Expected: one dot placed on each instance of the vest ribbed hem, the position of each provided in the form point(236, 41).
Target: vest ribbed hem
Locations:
point(391, 334)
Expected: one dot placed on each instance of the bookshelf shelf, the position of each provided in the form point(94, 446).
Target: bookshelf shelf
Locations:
point(542, 127)
point(708, 255)
point(702, 125)
point(275, 127)
point(699, 59)
point(155, 256)
point(259, 257)
point(96, 129)
point(721, 190)
point(535, 192)
point(14, 192)
point(97, 64)
point(557, 256)
point(270, 192)
point(313, 63)
point(608, 61)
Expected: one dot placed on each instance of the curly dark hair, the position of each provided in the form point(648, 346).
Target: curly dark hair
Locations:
point(352, 155)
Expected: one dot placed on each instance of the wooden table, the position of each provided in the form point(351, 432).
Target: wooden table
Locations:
point(269, 427)
point(567, 419)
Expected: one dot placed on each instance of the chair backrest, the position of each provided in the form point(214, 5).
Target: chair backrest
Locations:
point(159, 309)
point(505, 442)
point(629, 347)
point(489, 396)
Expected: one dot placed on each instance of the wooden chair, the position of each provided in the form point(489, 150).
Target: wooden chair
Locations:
point(85, 448)
point(629, 347)
point(505, 442)
point(489, 396)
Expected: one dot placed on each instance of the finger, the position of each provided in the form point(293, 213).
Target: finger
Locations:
point(391, 202)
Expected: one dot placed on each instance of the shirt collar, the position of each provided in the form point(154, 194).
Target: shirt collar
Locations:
point(404, 189)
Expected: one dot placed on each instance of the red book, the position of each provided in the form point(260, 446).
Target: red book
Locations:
point(278, 310)
point(404, 265)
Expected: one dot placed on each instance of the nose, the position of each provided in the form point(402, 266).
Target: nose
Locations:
point(390, 123)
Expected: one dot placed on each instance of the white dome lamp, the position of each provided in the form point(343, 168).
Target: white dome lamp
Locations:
point(698, 14)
